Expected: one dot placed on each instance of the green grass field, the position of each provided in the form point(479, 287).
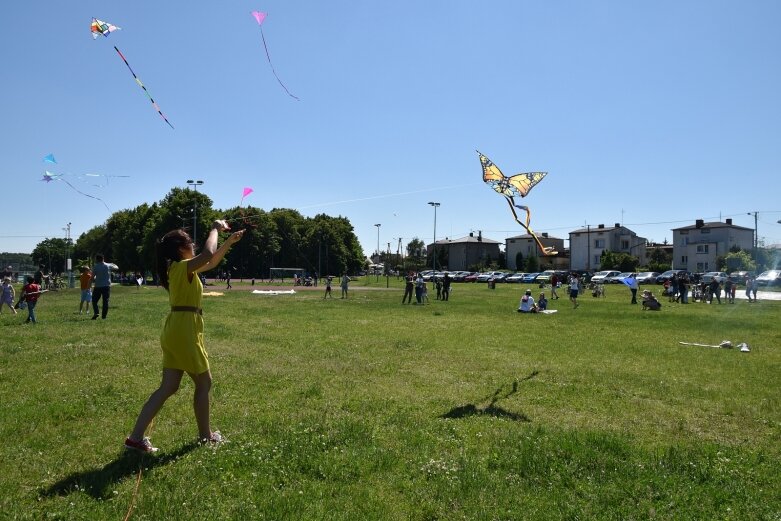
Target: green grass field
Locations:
point(367, 409)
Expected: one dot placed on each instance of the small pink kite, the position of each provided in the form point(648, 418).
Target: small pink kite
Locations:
point(247, 191)
point(259, 16)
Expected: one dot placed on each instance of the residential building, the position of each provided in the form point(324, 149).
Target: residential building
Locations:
point(526, 246)
point(587, 244)
point(466, 251)
point(696, 247)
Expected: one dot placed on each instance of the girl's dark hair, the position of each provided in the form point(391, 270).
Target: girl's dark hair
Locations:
point(168, 250)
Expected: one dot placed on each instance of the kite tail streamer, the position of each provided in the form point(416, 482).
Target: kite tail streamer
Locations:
point(154, 104)
point(546, 250)
point(268, 56)
point(87, 195)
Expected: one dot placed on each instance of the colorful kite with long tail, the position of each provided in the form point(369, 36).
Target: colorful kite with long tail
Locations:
point(515, 186)
point(99, 27)
point(259, 17)
point(154, 103)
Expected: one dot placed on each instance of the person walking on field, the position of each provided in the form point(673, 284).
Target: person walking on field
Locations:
point(574, 288)
point(182, 337)
point(101, 275)
point(554, 281)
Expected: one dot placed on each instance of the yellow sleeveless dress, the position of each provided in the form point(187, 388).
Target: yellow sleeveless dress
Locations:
point(182, 337)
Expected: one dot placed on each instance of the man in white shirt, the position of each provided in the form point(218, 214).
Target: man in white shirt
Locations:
point(527, 303)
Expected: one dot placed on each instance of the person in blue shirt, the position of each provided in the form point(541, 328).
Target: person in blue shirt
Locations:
point(101, 276)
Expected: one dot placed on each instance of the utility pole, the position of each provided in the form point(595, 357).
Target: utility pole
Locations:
point(195, 184)
point(434, 261)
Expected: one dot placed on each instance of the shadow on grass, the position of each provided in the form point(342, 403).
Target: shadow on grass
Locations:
point(97, 481)
point(491, 409)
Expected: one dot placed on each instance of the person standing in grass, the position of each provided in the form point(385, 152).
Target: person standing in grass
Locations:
point(574, 288)
point(409, 284)
point(182, 337)
point(345, 281)
point(631, 281)
point(85, 283)
point(328, 287)
point(446, 287)
point(8, 295)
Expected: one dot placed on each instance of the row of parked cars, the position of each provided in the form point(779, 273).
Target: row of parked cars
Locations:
point(497, 276)
point(767, 278)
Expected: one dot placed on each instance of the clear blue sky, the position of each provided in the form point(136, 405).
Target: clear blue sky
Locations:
point(653, 114)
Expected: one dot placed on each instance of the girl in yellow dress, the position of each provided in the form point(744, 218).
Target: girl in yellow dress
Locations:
point(182, 337)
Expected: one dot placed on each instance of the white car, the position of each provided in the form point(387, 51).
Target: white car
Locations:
point(602, 277)
point(485, 277)
point(718, 275)
point(515, 278)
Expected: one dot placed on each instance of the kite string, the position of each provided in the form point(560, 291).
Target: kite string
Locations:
point(268, 56)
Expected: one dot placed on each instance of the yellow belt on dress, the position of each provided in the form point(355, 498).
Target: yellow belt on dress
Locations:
point(191, 309)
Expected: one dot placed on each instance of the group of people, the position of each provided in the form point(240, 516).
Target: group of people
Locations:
point(678, 288)
point(95, 287)
point(343, 284)
point(414, 282)
point(528, 305)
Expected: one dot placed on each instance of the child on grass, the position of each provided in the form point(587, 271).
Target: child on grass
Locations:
point(30, 293)
point(7, 296)
point(85, 283)
point(182, 337)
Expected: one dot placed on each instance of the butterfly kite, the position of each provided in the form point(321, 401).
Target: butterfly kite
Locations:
point(511, 187)
point(260, 17)
point(99, 27)
point(48, 177)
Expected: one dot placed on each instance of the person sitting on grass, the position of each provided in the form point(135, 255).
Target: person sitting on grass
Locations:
point(527, 303)
point(650, 302)
point(542, 303)
point(182, 337)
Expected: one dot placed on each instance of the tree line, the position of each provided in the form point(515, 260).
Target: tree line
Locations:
point(278, 238)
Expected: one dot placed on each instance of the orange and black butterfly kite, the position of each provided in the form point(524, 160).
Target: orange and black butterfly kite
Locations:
point(514, 186)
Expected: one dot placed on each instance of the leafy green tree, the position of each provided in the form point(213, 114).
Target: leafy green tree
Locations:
point(737, 261)
point(52, 254)
point(251, 256)
point(532, 264)
point(659, 260)
point(416, 254)
point(93, 241)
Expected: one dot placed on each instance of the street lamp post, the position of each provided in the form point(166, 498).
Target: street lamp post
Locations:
point(434, 261)
point(378, 249)
point(195, 184)
point(68, 262)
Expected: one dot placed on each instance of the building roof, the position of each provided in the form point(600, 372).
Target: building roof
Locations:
point(597, 228)
point(716, 224)
point(468, 239)
point(529, 236)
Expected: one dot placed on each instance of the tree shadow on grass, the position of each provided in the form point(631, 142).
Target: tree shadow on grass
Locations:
point(491, 409)
point(97, 482)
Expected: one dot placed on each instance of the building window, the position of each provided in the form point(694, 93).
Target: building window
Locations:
point(684, 232)
point(624, 245)
point(702, 248)
point(684, 241)
point(702, 266)
point(599, 243)
point(705, 230)
point(684, 259)
point(596, 260)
